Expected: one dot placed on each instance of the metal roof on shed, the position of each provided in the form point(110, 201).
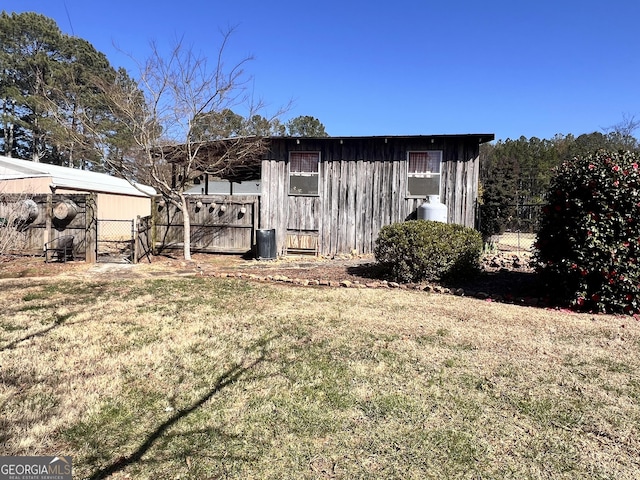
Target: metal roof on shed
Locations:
point(478, 137)
point(70, 178)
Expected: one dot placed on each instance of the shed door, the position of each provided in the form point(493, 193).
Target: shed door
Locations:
point(303, 224)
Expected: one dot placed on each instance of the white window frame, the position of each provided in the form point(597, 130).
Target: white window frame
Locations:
point(316, 174)
point(425, 174)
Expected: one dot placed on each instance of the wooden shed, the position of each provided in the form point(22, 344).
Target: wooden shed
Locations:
point(333, 195)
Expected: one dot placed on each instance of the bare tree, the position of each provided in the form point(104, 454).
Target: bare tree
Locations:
point(621, 135)
point(163, 112)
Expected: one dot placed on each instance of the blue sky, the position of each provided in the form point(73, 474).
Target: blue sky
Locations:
point(399, 68)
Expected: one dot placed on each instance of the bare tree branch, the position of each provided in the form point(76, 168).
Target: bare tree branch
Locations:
point(174, 94)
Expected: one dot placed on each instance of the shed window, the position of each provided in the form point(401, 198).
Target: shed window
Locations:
point(303, 173)
point(424, 173)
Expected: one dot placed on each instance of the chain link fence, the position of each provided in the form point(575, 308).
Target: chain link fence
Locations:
point(509, 227)
point(115, 241)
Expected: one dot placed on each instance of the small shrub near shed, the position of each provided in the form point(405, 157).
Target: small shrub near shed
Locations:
point(589, 241)
point(424, 250)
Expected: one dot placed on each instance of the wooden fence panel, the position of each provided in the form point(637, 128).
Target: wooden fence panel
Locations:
point(219, 224)
point(29, 237)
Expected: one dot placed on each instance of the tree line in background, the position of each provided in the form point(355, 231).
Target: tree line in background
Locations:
point(515, 174)
point(53, 109)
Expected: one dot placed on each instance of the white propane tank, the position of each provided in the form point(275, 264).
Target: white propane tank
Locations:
point(432, 209)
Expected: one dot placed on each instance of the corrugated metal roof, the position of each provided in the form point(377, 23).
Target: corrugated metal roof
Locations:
point(480, 137)
point(70, 178)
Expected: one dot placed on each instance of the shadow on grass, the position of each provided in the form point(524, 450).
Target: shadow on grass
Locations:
point(501, 284)
point(59, 321)
point(228, 378)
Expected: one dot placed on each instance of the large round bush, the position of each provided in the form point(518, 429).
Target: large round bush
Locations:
point(424, 250)
point(588, 244)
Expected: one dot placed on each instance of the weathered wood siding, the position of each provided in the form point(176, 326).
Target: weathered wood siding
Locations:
point(213, 229)
point(45, 227)
point(143, 238)
point(362, 187)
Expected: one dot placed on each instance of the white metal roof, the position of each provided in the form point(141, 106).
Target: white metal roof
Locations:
point(70, 178)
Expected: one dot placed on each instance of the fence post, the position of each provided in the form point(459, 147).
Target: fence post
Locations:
point(91, 226)
point(154, 223)
point(47, 227)
point(136, 233)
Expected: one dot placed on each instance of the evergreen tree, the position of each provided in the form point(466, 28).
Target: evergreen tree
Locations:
point(306, 126)
point(51, 108)
point(517, 173)
point(499, 174)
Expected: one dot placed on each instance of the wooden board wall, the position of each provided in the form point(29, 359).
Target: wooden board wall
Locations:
point(362, 187)
point(212, 229)
point(45, 228)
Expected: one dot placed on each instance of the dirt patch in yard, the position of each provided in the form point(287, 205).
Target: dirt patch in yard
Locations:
point(18, 266)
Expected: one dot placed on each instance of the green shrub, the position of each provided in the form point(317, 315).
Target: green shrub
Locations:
point(589, 240)
point(424, 250)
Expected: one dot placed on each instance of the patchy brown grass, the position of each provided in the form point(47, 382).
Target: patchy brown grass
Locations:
point(212, 378)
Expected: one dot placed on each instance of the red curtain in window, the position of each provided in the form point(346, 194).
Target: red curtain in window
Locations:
point(304, 162)
point(423, 162)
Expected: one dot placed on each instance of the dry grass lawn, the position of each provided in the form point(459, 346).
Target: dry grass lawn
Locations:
point(211, 378)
